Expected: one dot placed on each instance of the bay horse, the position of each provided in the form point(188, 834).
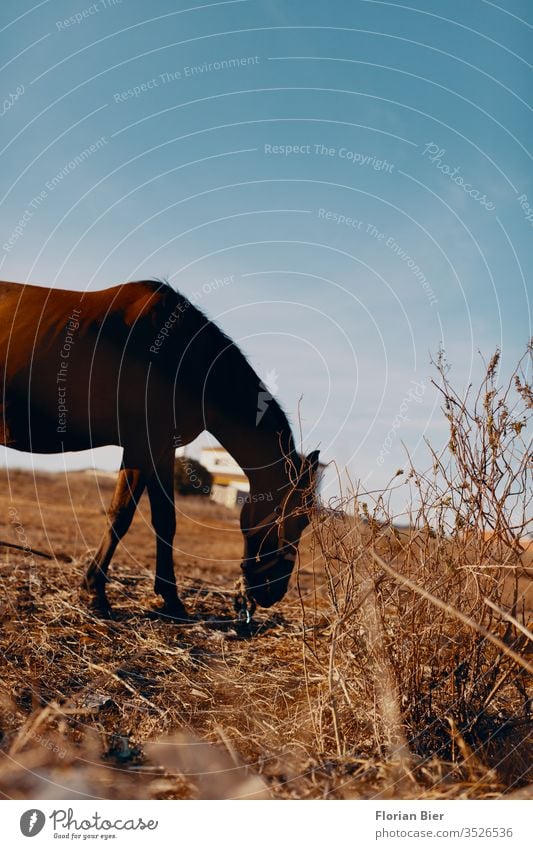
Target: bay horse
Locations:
point(140, 367)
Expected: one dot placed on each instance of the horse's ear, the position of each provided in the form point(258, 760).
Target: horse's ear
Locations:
point(312, 459)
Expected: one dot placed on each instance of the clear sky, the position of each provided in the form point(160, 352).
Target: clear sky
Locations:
point(342, 186)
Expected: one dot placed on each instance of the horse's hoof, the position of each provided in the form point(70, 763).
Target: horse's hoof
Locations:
point(96, 604)
point(101, 609)
point(174, 610)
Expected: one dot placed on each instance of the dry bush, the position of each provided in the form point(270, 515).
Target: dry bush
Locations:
point(429, 622)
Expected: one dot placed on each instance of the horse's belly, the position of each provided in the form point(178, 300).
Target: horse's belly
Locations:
point(97, 401)
point(33, 430)
point(47, 412)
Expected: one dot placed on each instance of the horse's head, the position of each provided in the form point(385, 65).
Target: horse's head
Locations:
point(272, 528)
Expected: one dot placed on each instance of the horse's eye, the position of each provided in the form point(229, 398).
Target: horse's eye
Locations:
point(277, 510)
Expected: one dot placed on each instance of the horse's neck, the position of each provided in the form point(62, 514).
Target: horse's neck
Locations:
point(238, 409)
point(260, 452)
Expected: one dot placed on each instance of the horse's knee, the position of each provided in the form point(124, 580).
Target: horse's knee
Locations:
point(164, 527)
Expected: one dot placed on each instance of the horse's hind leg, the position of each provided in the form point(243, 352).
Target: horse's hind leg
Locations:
point(161, 494)
point(128, 490)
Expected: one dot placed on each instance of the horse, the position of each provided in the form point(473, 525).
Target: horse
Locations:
point(139, 366)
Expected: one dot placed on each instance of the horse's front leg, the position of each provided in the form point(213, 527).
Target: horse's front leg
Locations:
point(161, 494)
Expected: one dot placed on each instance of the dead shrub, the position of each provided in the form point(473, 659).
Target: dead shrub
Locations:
point(430, 619)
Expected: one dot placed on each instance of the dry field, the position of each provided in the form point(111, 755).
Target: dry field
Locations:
point(398, 665)
point(300, 706)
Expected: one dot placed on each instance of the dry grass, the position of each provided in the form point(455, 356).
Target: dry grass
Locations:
point(396, 667)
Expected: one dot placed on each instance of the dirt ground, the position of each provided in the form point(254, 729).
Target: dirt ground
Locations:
point(138, 658)
point(140, 707)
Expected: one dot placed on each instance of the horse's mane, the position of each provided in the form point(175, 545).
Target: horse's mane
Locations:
point(230, 376)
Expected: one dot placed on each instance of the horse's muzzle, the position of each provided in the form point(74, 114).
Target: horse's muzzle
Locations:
point(268, 587)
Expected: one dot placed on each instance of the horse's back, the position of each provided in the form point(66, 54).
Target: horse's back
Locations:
point(74, 364)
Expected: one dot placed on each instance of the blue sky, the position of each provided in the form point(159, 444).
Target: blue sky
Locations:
point(355, 175)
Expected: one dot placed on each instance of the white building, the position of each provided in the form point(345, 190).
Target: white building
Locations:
point(230, 484)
